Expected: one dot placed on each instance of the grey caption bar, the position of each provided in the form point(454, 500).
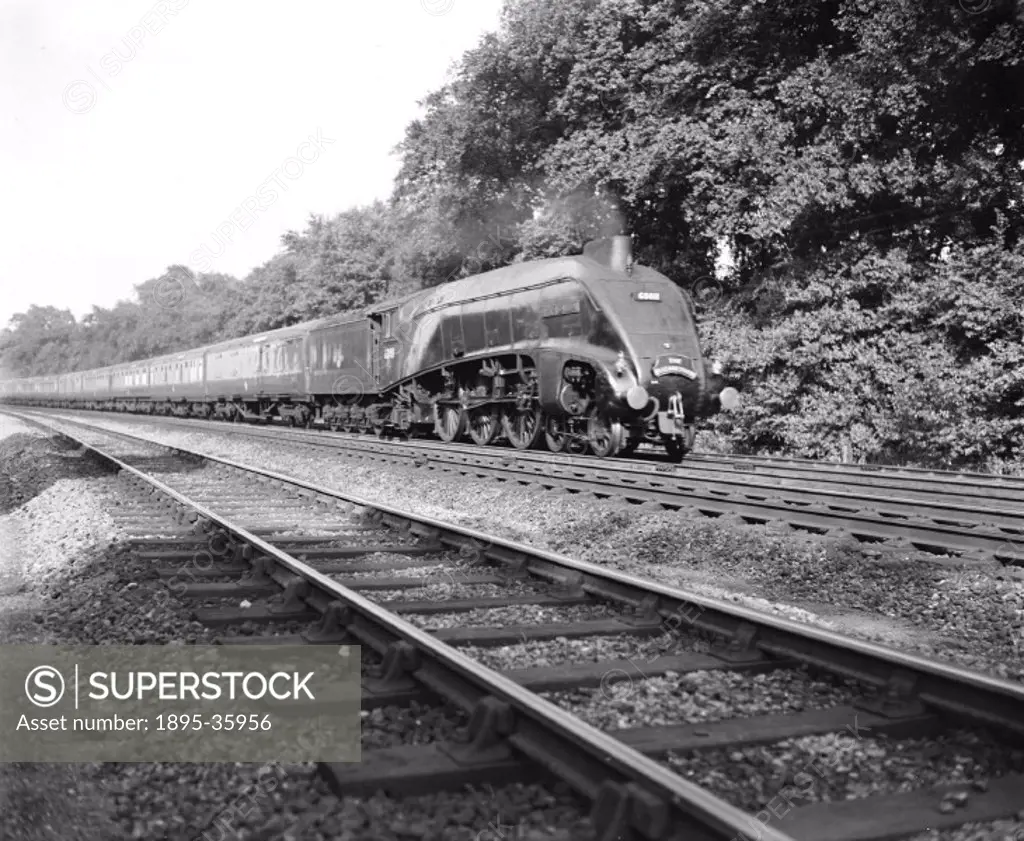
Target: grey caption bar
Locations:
point(148, 703)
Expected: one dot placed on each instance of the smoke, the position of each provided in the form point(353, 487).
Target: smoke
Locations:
point(563, 222)
point(592, 212)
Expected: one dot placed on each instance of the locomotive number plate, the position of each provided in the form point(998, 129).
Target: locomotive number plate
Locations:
point(680, 365)
point(646, 296)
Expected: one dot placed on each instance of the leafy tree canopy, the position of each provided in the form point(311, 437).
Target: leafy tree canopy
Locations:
point(860, 161)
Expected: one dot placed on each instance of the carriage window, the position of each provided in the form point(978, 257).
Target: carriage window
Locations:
point(387, 325)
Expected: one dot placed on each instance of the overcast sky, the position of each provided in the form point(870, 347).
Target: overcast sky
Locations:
point(137, 134)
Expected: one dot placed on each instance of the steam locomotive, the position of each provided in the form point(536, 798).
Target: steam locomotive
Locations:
point(572, 353)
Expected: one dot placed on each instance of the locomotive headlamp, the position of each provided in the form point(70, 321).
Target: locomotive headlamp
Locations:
point(637, 397)
point(729, 398)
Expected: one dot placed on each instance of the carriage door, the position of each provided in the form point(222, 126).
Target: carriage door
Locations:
point(385, 356)
point(262, 367)
point(390, 350)
point(293, 365)
point(375, 348)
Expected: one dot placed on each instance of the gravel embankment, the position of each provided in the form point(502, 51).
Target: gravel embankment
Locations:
point(969, 616)
point(563, 651)
point(66, 576)
point(1009, 830)
point(444, 590)
point(843, 766)
point(394, 566)
point(784, 775)
point(500, 617)
point(699, 697)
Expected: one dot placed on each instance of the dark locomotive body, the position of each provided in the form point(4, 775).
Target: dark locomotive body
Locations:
point(569, 352)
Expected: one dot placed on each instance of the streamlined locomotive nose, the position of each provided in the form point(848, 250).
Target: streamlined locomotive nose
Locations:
point(676, 390)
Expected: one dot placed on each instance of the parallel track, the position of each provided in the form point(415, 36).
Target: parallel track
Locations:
point(512, 729)
point(966, 518)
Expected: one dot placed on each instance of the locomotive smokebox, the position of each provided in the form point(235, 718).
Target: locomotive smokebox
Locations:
point(614, 252)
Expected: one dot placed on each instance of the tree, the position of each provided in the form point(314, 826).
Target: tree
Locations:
point(862, 161)
point(38, 341)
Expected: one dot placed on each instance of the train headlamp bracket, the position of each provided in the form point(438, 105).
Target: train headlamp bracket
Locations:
point(673, 421)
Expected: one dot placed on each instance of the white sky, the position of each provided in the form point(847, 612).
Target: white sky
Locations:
point(107, 183)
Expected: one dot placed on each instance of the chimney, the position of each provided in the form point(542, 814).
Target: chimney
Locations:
point(615, 252)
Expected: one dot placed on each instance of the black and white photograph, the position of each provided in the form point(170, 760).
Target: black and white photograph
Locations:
point(512, 420)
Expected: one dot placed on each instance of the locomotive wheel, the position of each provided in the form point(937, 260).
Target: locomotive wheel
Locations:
point(606, 437)
point(483, 426)
point(523, 429)
point(450, 423)
point(555, 435)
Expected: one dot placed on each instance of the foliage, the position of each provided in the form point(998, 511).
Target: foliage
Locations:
point(333, 265)
point(875, 358)
point(39, 341)
point(863, 161)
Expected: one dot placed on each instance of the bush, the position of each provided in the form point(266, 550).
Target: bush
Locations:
point(871, 357)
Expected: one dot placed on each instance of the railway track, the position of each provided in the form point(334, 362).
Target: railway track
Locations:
point(959, 516)
point(441, 612)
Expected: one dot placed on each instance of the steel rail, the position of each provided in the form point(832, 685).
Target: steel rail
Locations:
point(795, 462)
point(700, 467)
point(838, 481)
point(678, 802)
point(845, 472)
point(930, 525)
point(658, 800)
point(950, 687)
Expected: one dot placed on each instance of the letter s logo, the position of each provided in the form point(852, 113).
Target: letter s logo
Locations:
point(44, 686)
